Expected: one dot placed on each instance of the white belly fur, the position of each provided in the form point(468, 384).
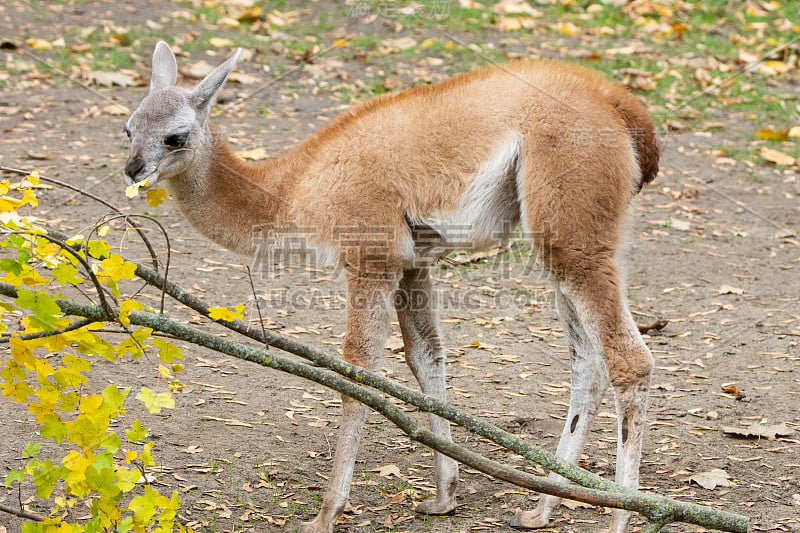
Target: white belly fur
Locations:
point(489, 209)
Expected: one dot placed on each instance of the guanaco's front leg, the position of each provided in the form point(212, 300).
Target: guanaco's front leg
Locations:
point(368, 303)
point(426, 356)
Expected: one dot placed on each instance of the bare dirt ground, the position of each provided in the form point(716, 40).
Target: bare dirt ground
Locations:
point(714, 250)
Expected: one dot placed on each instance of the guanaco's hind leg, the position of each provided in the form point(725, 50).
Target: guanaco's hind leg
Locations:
point(575, 221)
point(425, 355)
point(368, 305)
point(605, 315)
point(589, 383)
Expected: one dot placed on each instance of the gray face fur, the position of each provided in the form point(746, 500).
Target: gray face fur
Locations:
point(169, 129)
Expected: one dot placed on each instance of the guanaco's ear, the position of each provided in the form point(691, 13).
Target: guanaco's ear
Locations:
point(202, 95)
point(165, 68)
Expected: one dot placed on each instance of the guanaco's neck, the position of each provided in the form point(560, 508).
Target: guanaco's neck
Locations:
point(231, 201)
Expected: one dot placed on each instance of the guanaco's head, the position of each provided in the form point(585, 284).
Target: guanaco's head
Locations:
point(169, 129)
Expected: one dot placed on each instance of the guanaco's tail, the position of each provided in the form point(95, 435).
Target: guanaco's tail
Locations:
point(641, 131)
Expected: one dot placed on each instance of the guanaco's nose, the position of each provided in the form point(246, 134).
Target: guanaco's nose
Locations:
point(134, 166)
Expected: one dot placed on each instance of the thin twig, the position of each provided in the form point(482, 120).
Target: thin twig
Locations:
point(101, 294)
point(94, 197)
point(22, 513)
point(258, 307)
point(167, 243)
point(6, 337)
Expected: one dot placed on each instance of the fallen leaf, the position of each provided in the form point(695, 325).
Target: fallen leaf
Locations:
point(728, 289)
point(102, 77)
point(775, 156)
point(794, 132)
point(731, 389)
point(256, 154)
point(388, 470)
point(221, 42)
point(196, 71)
point(39, 44)
point(773, 68)
point(401, 43)
point(656, 325)
point(572, 504)
point(773, 135)
point(243, 78)
point(712, 479)
point(515, 7)
point(116, 110)
point(759, 431)
point(567, 28)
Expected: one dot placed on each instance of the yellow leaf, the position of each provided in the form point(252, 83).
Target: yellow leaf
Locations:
point(117, 268)
point(221, 42)
point(794, 132)
point(156, 197)
point(567, 28)
point(155, 401)
point(125, 309)
point(772, 68)
point(775, 156)
point(39, 44)
point(130, 455)
point(21, 353)
point(164, 371)
point(338, 43)
point(773, 135)
point(223, 313)
point(132, 191)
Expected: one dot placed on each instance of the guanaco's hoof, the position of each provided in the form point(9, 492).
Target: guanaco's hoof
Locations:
point(528, 520)
point(432, 506)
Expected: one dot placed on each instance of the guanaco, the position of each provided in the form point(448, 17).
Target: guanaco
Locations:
point(549, 145)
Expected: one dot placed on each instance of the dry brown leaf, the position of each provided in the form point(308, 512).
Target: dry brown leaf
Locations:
point(775, 156)
point(388, 470)
point(101, 77)
point(759, 431)
point(729, 289)
point(221, 42)
point(515, 7)
point(401, 43)
point(256, 154)
point(712, 479)
point(196, 71)
point(656, 325)
point(243, 78)
point(116, 110)
point(731, 389)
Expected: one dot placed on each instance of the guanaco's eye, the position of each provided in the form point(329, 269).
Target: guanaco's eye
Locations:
point(177, 140)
